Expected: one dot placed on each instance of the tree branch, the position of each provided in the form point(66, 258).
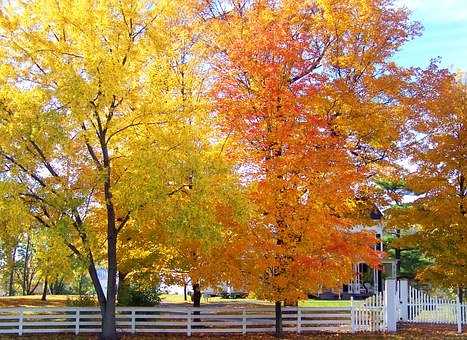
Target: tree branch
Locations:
point(91, 150)
point(30, 173)
point(44, 158)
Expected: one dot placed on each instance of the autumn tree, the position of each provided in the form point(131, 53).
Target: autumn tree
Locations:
point(183, 238)
point(310, 103)
point(436, 147)
point(90, 119)
point(15, 222)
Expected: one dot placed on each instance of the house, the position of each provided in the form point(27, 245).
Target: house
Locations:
point(367, 281)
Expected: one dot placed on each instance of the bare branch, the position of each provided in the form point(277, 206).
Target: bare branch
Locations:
point(91, 150)
point(123, 221)
point(23, 168)
point(44, 159)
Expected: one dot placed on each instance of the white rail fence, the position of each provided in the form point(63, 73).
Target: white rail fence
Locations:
point(400, 302)
point(416, 306)
point(189, 320)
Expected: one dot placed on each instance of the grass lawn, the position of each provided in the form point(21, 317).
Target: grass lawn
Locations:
point(324, 303)
point(60, 300)
point(173, 298)
point(35, 301)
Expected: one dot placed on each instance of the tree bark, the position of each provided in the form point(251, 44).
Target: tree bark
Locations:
point(278, 307)
point(44, 292)
point(12, 272)
point(196, 297)
point(80, 286)
point(108, 320)
point(397, 255)
point(122, 290)
point(97, 285)
point(184, 291)
point(26, 269)
point(32, 287)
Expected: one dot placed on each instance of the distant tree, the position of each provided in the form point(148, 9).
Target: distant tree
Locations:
point(436, 222)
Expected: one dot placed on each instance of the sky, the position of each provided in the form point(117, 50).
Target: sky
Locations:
point(444, 34)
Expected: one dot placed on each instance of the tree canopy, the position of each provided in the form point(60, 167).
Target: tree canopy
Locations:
point(225, 141)
point(437, 219)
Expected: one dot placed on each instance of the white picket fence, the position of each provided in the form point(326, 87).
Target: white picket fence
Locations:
point(416, 306)
point(187, 320)
point(369, 314)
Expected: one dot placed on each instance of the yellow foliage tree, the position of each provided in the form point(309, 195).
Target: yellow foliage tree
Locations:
point(93, 122)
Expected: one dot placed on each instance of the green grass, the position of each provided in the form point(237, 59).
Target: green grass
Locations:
point(59, 300)
point(173, 298)
point(324, 303)
point(35, 300)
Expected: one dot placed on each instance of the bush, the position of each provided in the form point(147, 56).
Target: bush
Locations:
point(85, 300)
point(140, 296)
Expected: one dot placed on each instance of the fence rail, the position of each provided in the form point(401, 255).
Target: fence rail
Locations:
point(188, 320)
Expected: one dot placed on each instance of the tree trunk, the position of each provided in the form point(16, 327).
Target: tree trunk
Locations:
point(12, 272)
point(97, 285)
point(44, 292)
point(101, 298)
point(184, 291)
point(460, 294)
point(123, 290)
point(278, 306)
point(397, 253)
point(108, 320)
point(196, 297)
point(26, 269)
point(32, 287)
point(102, 303)
point(80, 286)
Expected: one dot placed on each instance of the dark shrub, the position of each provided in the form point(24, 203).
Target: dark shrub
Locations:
point(140, 296)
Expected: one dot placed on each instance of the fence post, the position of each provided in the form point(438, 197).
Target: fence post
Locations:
point(459, 314)
point(390, 309)
point(404, 300)
point(244, 321)
point(299, 320)
point(352, 315)
point(188, 323)
point(77, 321)
point(133, 321)
point(20, 326)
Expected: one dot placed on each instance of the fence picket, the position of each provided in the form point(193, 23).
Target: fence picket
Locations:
point(20, 326)
point(425, 308)
point(77, 321)
point(244, 321)
point(133, 321)
point(188, 323)
point(299, 321)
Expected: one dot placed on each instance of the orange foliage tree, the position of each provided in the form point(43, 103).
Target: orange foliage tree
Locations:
point(436, 222)
point(309, 102)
